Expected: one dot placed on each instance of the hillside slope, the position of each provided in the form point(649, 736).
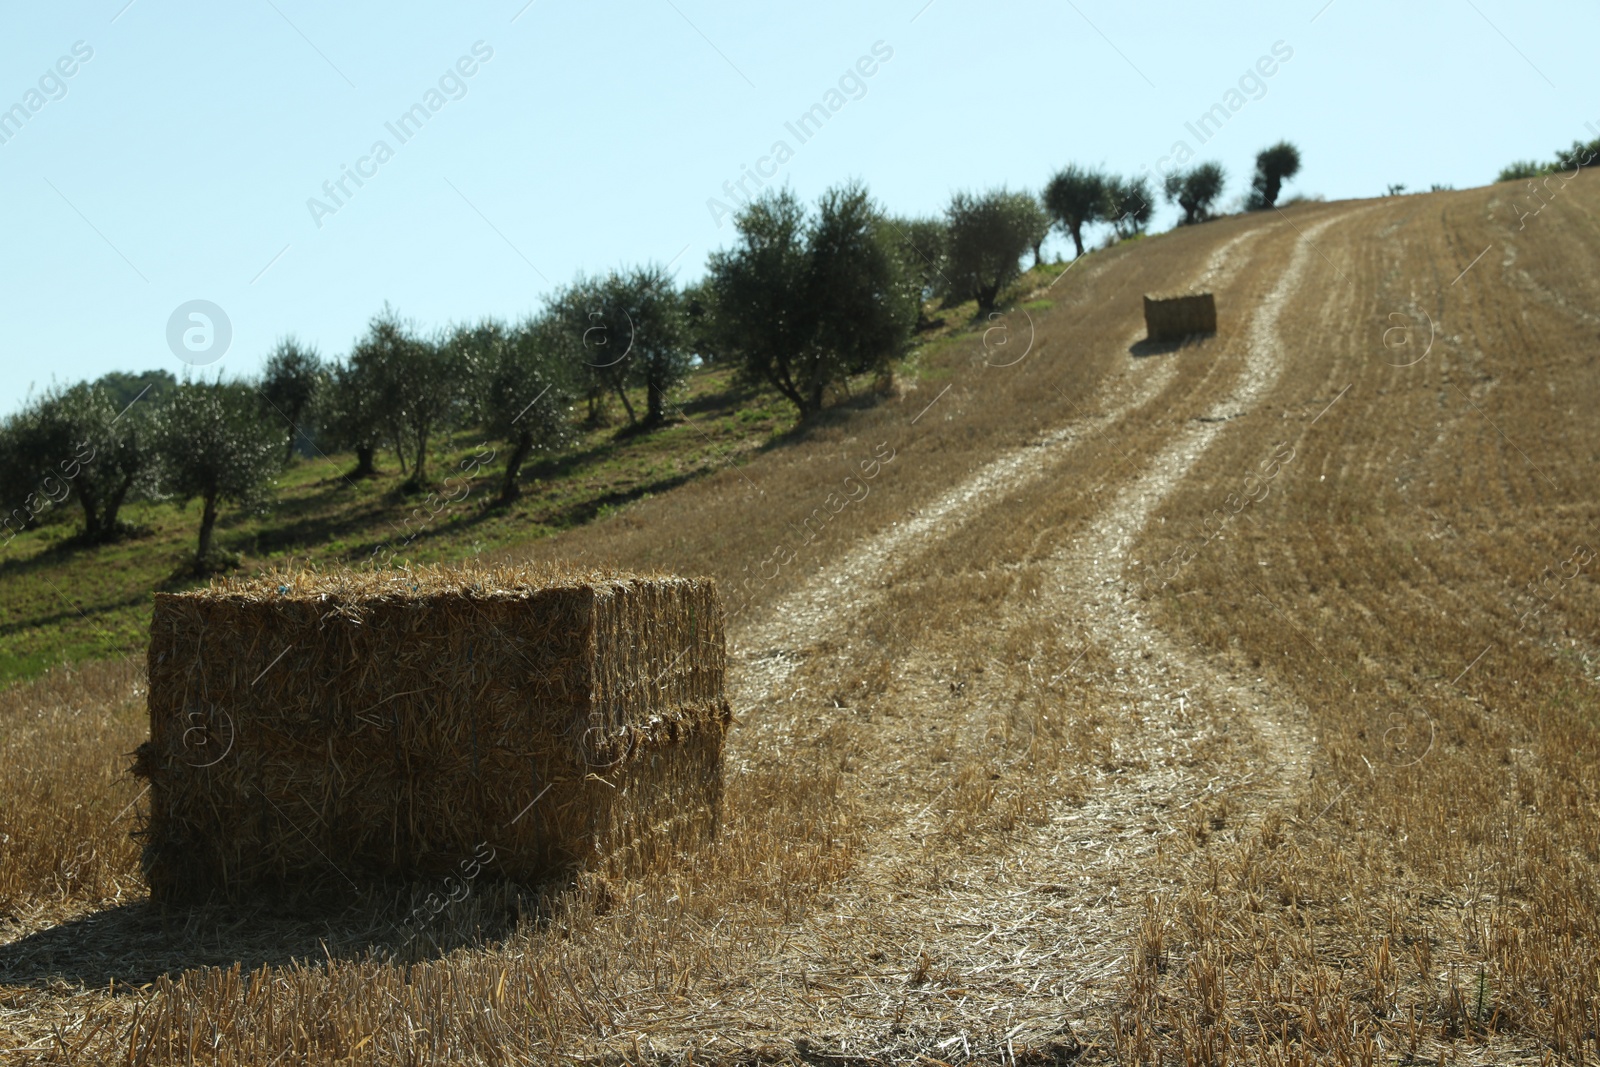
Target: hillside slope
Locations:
point(1225, 701)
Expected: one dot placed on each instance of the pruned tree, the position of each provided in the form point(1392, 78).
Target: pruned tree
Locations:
point(1039, 226)
point(1075, 198)
point(115, 449)
point(646, 304)
point(801, 304)
point(597, 338)
point(211, 442)
point(32, 442)
point(865, 297)
point(1195, 191)
point(525, 393)
point(289, 384)
point(76, 443)
point(1129, 204)
point(417, 382)
point(924, 246)
point(989, 232)
point(1274, 166)
point(350, 414)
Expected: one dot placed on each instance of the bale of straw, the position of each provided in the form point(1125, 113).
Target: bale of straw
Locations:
point(315, 732)
point(1172, 318)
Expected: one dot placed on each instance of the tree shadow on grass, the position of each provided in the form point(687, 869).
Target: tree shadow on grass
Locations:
point(69, 613)
point(840, 413)
point(126, 946)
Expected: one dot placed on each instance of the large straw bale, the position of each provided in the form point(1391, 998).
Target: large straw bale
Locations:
point(313, 731)
point(1172, 318)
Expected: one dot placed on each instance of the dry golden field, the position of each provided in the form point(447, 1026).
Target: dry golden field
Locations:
point(1095, 702)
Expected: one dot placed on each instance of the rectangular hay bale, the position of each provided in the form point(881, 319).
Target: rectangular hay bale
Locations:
point(313, 732)
point(1172, 318)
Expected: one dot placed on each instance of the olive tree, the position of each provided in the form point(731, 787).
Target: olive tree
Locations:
point(924, 244)
point(75, 442)
point(350, 417)
point(1039, 224)
point(115, 448)
point(1075, 198)
point(524, 392)
point(1195, 191)
point(289, 386)
point(1274, 166)
point(211, 442)
point(865, 296)
point(32, 443)
point(417, 383)
point(802, 303)
point(596, 339)
point(1129, 205)
point(660, 356)
point(628, 329)
point(989, 232)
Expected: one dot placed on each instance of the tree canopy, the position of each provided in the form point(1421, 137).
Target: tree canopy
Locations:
point(1129, 205)
point(1274, 166)
point(289, 384)
point(525, 391)
point(1075, 197)
point(1195, 191)
point(211, 442)
point(989, 232)
point(802, 303)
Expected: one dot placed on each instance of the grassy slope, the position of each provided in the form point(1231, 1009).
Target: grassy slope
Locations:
point(64, 603)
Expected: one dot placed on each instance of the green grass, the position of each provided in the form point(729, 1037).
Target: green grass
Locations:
point(61, 602)
point(65, 602)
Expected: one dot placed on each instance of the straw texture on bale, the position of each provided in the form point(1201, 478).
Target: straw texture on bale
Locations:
point(1172, 318)
point(311, 732)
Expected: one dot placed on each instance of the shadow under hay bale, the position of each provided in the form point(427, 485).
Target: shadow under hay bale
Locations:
point(313, 733)
point(1172, 318)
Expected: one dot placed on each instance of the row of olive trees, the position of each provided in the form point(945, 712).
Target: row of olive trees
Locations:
point(194, 440)
point(1077, 197)
point(804, 299)
point(1582, 154)
point(1196, 190)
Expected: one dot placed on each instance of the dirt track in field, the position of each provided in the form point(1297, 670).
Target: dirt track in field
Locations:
point(1036, 929)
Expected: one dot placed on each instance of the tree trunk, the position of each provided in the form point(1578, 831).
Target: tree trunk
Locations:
point(777, 372)
point(623, 393)
point(364, 467)
point(510, 489)
point(208, 523)
point(93, 519)
point(419, 469)
point(113, 505)
point(1038, 256)
point(1077, 239)
point(987, 295)
point(656, 403)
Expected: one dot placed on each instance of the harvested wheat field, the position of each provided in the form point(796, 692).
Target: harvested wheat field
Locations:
point(1232, 702)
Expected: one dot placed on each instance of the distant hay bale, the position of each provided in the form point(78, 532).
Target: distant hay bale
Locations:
point(310, 730)
point(1172, 318)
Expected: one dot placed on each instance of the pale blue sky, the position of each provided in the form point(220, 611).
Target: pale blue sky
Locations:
point(176, 163)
